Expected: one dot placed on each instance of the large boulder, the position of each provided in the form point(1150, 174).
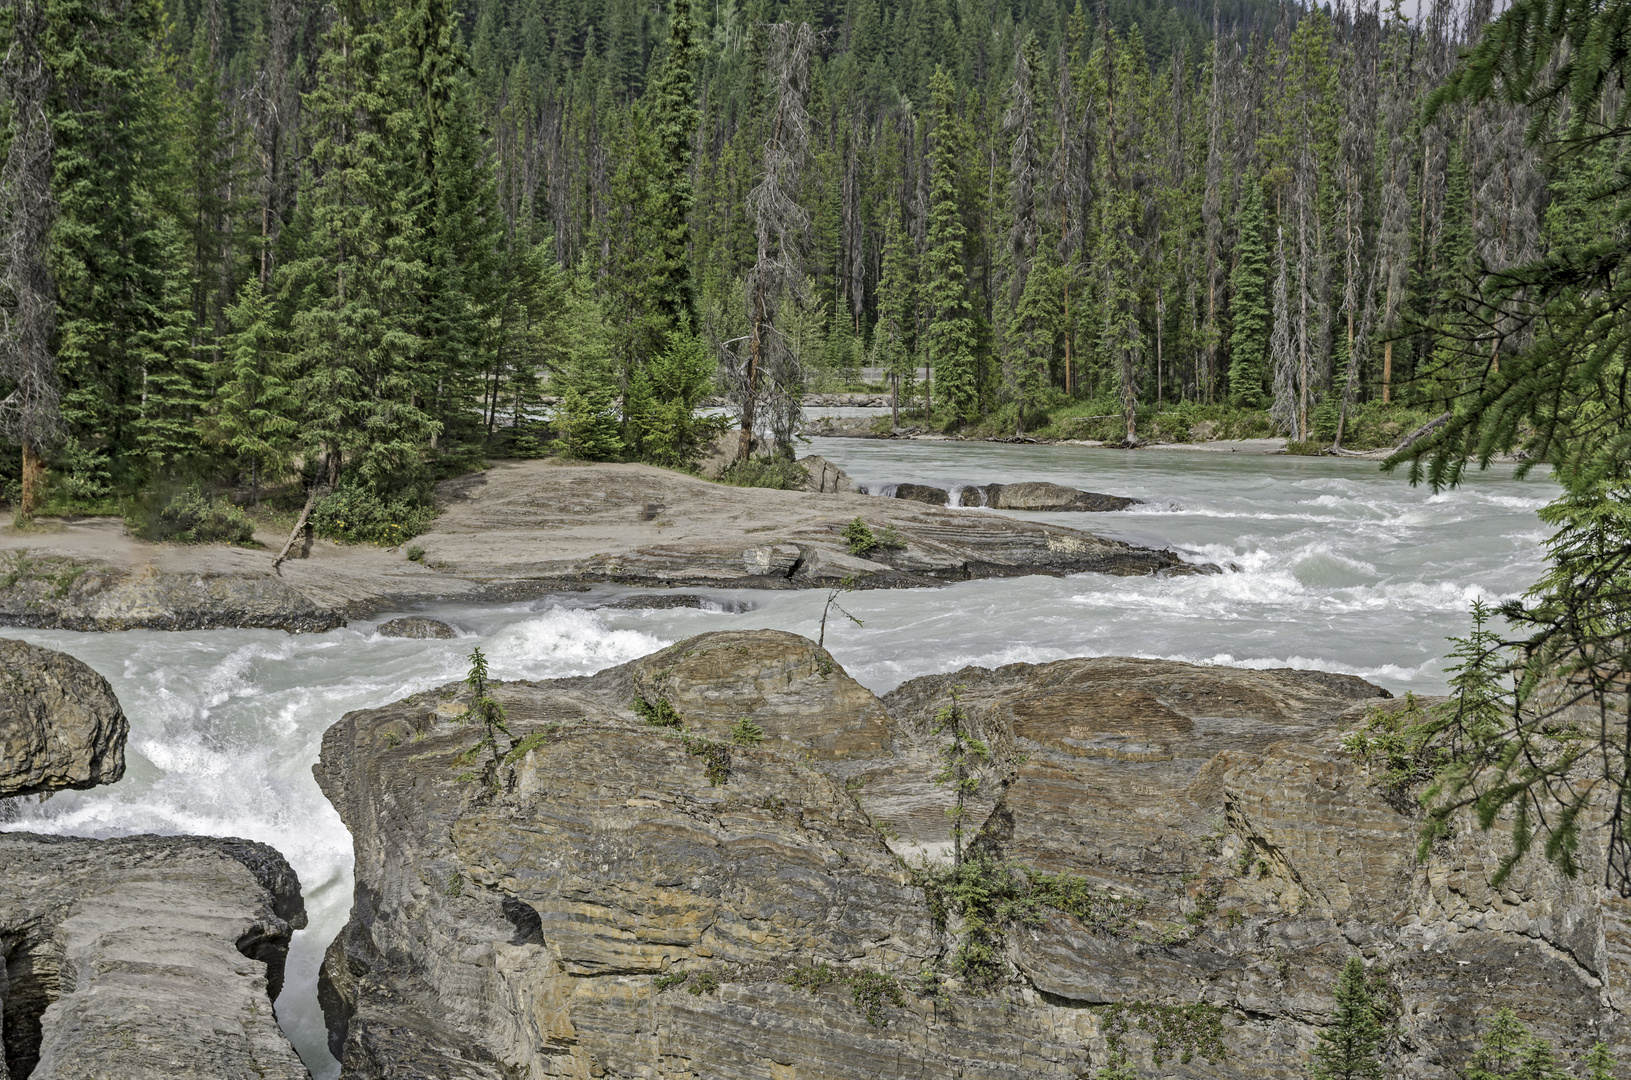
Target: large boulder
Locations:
point(641, 880)
point(144, 958)
point(60, 725)
point(1040, 495)
point(416, 626)
point(825, 478)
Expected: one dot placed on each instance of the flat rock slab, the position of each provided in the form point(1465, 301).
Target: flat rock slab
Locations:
point(636, 888)
point(145, 958)
point(522, 529)
point(60, 724)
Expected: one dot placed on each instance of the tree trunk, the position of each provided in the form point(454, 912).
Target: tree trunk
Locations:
point(33, 482)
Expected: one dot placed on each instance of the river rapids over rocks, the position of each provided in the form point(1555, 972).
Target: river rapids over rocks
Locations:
point(1328, 564)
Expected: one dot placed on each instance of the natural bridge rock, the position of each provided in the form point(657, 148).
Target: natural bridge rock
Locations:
point(620, 897)
point(144, 958)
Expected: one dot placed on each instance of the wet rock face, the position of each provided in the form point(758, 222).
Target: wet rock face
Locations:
point(63, 594)
point(60, 725)
point(416, 626)
point(923, 493)
point(1041, 496)
point(144, 958)
point(628, 899)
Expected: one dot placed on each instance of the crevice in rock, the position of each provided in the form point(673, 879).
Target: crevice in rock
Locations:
point(529, 925)
point(27, 988)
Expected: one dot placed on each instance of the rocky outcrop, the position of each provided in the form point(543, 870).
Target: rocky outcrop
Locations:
point(524, 529)
point(416, 626)
point(52, 592)
point(1042, 496)
point(60, 725)
point(824, 477)
point(650, 885)
point(144, 958)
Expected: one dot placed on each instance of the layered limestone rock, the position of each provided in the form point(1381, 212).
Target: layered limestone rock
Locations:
point(46, 591)
point(650, 885)
point(60, 725)
point(524, 529)
point(144, 958)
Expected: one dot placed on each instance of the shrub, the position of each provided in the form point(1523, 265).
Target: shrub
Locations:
point(192, 518)
point(416, 553)
point(747, 733)
point(766, 472)
point(360, 516)
point(860, 538)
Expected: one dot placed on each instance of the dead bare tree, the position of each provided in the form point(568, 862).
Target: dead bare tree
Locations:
point(772, 375)
point(30, 413)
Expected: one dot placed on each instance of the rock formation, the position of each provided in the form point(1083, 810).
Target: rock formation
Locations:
point(416, 626)
point(1042, 496)
point(60, 725)
point(524, 529)
point(713, 862)
point(144, 958)
point(825, 477)
point(48, 591)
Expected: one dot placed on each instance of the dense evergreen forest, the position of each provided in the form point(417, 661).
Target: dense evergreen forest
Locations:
point(355, 244)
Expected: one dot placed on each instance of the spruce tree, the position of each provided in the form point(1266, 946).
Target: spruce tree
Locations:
point(1599, 1063)
point(1502, 1049)
point(674, 121)
point(1249, 305)
point(894, 337)
point(1348, 1044)
point(355, 278)
point(949, 335)
point(255, 404)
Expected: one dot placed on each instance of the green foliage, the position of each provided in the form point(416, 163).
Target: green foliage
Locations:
point(766, 471)
point(487, 712)
point(193, 518)
point(586, 425)
point(1508, 1051)
point(658, 714)
point(1351, 1039)
point(360, 515)
point(813, 977)
point(859, 537)
point(716, 759)
point(706, 982)
point(960, 759)
point(669, 980)
point(415, 553)
point(1599, 1063)
point(526, 745)
point(747, 733)
point(1181, 1031)
point(871, 991)
point(662, 399)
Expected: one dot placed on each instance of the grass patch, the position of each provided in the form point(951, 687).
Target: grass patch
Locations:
point(766, 472)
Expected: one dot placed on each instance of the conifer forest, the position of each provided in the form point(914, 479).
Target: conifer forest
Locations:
point(363, 244)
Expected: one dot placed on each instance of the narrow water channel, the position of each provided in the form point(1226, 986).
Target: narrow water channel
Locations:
point(1331, 565)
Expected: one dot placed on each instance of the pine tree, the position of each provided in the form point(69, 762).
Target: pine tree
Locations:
point(355, 330)
point(1502, 1049)
point(674, 120)
point(1599, 1063)
point(949, 336)
point(1349, 1043)
point(894, 344)
point(255, 405)
point(1249, 305)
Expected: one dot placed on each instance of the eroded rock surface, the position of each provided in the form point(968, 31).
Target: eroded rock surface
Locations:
point(525, 529)
point(45, 591)
point(825, 477)
point(144, 958)
point(416, 626)
point(1042, 496)
point(622, 898)
point(60, 724)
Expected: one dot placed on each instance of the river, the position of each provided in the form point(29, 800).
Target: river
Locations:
point(1330, 564)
